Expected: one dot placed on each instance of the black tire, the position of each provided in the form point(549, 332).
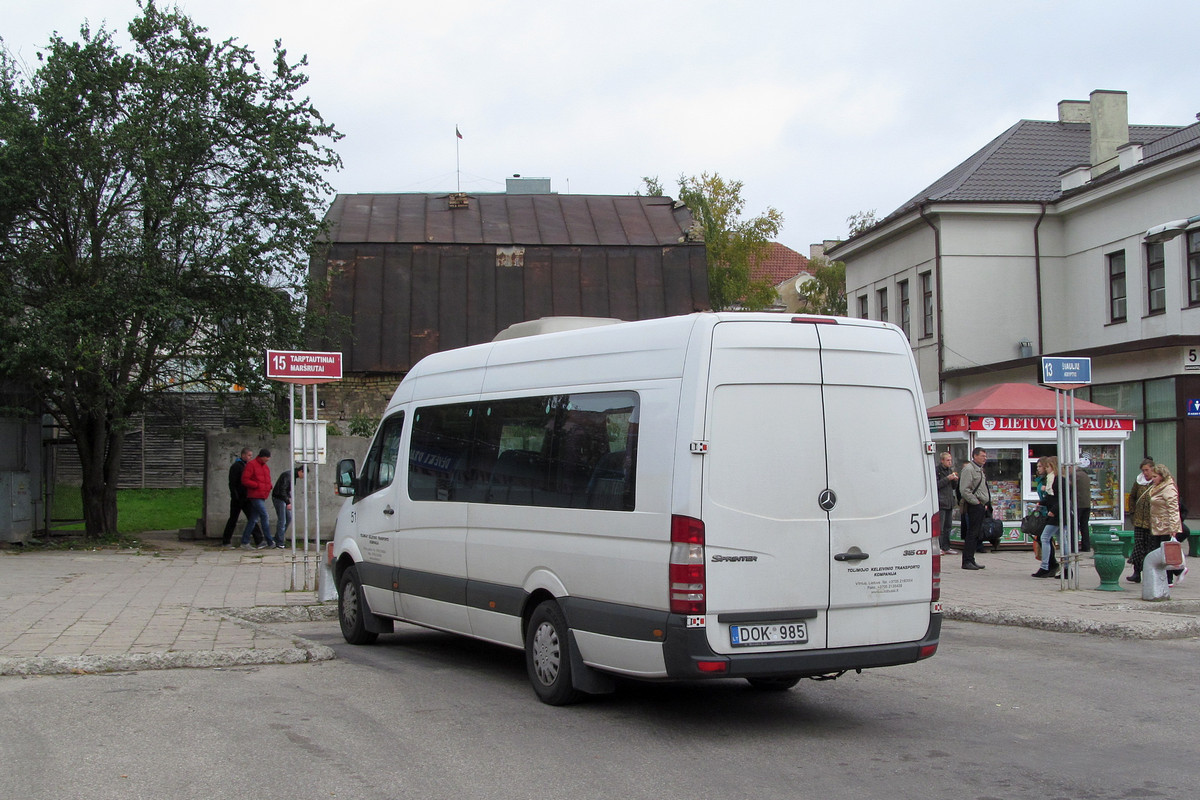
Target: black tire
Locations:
point(352, 610)
point(773, 684)
point(548, 656)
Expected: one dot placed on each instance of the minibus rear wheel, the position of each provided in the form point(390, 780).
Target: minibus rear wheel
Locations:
point(548, 655)
point(352, 609)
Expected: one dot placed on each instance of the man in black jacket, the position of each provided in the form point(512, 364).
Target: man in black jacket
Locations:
point(238, 504)
point(947, 482)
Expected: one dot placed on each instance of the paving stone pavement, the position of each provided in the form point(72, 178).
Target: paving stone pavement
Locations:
point(188, 605)
point(1005, 593)
point(196, 605)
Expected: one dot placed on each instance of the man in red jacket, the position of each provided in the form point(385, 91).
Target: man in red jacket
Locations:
point(256, 477)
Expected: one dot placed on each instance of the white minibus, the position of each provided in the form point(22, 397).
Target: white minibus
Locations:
point(717, 495)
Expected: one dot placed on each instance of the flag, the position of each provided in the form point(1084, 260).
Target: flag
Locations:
point(456, 133)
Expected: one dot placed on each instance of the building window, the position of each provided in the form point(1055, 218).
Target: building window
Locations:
point(905, 310)
point(1156, 279)
point(862, 307)
point(1116, 287)
point(881, 295)
point(1193, 243)
point(926, 304)
point(1156, 421)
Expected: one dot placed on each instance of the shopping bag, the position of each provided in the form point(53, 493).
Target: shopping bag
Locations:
point(1173, 554)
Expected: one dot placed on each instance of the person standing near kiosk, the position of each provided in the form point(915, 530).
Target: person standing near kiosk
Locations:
point(947, 483)
point(972, 485)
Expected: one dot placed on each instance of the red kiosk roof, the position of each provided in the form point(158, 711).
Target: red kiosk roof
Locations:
point(1016, 400)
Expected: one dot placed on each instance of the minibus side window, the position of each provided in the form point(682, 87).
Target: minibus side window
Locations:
point(564, 451)
point(561, 451)
point(440, 450)
point(379, 467)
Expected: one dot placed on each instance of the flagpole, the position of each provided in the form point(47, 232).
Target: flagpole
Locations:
point(457, 167)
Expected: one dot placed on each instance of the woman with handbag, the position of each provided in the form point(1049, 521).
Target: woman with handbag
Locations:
point(1139, 504)
point(1033, 522)
point(1048, 502)
point(1165, 522)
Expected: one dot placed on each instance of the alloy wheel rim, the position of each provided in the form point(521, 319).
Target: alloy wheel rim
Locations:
point(350, 604)
point(546, 654)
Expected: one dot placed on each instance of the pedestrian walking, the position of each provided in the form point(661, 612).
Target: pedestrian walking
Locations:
point(1139, 505)
point(237, 496)
point(256, 477)
point(1048, 502)
point(1083, 507)
point(281, 497)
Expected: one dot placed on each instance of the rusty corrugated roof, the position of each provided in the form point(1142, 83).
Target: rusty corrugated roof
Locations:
point(523, 219)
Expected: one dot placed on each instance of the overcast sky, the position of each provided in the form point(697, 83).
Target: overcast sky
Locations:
point(822, 109)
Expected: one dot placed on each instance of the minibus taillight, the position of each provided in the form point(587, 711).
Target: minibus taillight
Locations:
point(687, 565)
point(936, 549)
point(937, 569)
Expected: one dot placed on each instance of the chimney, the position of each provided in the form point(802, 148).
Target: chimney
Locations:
point(1074, 111)
point(1110, 128)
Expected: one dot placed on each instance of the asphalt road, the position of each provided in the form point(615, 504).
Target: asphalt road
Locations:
point(1000, 712)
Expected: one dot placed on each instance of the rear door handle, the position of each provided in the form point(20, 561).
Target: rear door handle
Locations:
point(851, 556)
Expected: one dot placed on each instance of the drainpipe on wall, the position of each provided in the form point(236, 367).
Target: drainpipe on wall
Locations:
point(1037, 272)
point(937, 271)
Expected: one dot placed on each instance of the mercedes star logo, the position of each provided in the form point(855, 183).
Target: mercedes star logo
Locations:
point(827, 499)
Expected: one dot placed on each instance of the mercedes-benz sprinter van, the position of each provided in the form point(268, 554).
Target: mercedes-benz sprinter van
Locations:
point(718, 495)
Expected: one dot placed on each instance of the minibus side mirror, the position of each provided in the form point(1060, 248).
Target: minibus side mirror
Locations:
point(345, 477)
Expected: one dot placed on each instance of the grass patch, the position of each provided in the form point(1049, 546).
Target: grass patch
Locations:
point(138, 510)
point(158, 509)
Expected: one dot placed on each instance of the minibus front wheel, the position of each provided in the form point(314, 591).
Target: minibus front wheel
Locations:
point(352, 610)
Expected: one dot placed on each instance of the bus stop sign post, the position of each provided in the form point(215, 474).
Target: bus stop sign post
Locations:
point(307, 445)
point(1064, 375)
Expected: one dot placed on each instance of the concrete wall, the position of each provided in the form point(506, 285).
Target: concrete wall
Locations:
point(223, 448)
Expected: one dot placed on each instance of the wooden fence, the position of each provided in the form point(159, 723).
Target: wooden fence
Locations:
point(165, 446)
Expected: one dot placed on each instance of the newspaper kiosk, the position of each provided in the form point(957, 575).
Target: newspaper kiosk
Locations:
point(1016, 424)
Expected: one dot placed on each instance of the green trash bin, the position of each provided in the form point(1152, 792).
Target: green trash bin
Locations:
point(1126, 538)
point(1109, 560)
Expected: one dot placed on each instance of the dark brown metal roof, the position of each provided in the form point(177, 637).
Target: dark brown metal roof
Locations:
point(521, 219)
point(407, 275)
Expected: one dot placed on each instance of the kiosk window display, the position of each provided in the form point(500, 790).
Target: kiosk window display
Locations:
point(1018, 432)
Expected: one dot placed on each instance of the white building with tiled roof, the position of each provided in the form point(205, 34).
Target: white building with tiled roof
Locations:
point(1046, 242)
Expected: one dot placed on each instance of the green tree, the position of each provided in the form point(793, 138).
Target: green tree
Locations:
point(826, 292)
point(157, 208)
point(861, 221)
point(732, 243)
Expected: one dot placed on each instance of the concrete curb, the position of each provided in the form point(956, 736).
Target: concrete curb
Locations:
point(1171, 621)
point(302, 651)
